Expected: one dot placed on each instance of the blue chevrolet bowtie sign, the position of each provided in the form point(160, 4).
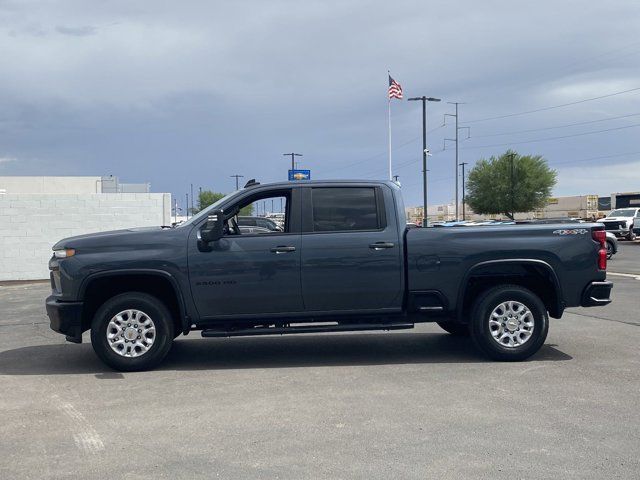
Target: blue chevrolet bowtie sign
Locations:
point(299, 175)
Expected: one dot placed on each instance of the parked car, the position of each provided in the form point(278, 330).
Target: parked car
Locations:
point(346, 261)
point(612, 245)
point(246, 230)
point(620, 222)
point(259, 222)
point(636, 223)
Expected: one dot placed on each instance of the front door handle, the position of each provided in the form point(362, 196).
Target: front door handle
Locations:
point(381, 245)
point(283, 249)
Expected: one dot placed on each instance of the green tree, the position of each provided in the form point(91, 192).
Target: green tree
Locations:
point(207, 197)
point(510, 183)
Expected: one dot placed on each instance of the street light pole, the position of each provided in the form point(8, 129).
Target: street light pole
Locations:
point(462, 164)
point(425, 153)
point(293, 155)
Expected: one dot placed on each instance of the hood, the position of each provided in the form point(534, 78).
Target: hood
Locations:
point(616, 219)
point(110, 238)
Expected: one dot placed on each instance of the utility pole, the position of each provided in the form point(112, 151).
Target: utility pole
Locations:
point(425, 153)
point(456, 139)
point(187, 205)
point(464, 217)
point(175, 210)
point(191, 199)
point(513, 202)
point(237, 177)
point(293, 155)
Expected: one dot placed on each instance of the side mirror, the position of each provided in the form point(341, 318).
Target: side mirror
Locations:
point(213, 230)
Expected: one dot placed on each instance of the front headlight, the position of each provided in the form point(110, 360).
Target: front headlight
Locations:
point(64, 253)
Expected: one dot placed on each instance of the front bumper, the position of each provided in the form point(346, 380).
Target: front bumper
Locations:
point(65, 318)
point(620, 232)
point(597, 294)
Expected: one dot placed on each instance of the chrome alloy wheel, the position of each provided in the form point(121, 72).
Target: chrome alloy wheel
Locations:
point(511, 324)
point(131, 333)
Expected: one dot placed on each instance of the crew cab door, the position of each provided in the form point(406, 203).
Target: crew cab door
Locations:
point(252, 272)
point(351, 255)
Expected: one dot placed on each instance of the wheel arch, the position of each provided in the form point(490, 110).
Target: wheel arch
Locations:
point(526, 272)
point(99, 287)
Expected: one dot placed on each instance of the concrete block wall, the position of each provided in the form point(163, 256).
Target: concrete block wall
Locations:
point(30, 224)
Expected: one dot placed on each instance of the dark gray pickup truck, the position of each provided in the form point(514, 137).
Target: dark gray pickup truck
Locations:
point(345, 261)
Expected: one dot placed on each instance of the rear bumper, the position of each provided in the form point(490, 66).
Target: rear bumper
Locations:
point(597, 294)
point(65, 318)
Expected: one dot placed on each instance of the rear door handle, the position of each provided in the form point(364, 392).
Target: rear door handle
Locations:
point(381, 245)
point(283, 249)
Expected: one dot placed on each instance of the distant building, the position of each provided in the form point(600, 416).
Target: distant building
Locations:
point(68, 184)
point(38, 211)
point(578, 206)
point(623, 200)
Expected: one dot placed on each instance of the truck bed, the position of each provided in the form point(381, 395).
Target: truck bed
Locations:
point(443, 259)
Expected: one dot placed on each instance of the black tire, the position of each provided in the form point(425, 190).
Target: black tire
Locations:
point(632, 236)
point(151, 306)
point(455, 328)
point(481, 331)
point(609, 250)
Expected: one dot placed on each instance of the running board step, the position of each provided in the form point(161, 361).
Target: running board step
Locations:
point(305, 329)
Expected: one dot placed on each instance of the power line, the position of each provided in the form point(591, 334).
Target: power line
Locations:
point(552, 138)
point(557, 126)
point(553, 106)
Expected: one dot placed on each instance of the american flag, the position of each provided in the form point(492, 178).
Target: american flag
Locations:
point(395, 89)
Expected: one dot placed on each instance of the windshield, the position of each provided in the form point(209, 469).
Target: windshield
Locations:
point(622, 213)
point(202, 213)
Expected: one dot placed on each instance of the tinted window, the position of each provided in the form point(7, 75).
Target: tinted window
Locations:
point(348, 208)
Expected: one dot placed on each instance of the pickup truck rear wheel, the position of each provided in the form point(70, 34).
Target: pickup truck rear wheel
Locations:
point(132, 331)
point(455, 328)
point(509, 323)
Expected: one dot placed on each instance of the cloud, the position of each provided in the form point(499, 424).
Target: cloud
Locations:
point(82, 31)
point(7, 160)
point(205, 89)
point(601, 179)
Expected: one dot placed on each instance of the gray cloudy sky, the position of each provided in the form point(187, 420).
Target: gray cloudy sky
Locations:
point(194, 91)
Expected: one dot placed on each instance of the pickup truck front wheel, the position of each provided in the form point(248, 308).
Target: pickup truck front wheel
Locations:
point(132, 331)
point(509, 323)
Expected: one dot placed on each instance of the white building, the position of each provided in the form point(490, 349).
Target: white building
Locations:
point(36, 212)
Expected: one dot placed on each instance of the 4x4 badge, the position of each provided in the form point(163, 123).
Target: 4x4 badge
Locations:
point(572, 231)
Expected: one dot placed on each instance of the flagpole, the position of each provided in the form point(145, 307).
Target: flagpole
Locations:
point(389, 104)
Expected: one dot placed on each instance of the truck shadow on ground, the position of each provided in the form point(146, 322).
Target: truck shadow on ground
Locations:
point(267, 352)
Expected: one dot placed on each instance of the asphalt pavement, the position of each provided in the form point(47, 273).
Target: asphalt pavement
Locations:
point(627, 260)
point(413, 404)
